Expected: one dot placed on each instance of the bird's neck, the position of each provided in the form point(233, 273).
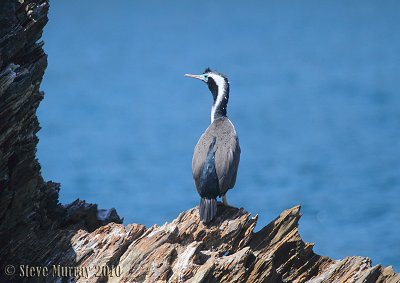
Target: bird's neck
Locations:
point(221, 96)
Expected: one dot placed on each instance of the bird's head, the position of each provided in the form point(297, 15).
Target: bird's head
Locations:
point(217, 83)
point(219, 87)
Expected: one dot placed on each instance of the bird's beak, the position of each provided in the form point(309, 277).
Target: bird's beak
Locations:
point(199, 77)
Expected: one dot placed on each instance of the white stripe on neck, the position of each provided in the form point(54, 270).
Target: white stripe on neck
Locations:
point(220, 81)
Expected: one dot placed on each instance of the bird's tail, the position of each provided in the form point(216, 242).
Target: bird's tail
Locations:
point(207, 209)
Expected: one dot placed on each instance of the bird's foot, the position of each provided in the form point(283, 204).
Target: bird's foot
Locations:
point(225, 202)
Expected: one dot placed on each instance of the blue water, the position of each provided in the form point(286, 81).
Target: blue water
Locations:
point(315, 98)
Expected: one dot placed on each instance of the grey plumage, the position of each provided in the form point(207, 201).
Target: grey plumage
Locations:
point(217, 153)
point(214, 165)
point(221, 135)
point(207, 209)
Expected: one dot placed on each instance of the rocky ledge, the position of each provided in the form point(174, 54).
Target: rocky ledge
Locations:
point(227, 250)
point(185, 250)
point(44, 241)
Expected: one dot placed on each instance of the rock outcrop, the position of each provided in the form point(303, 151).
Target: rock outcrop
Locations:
point(29, 208)
point(229, 250)
point(44, 241)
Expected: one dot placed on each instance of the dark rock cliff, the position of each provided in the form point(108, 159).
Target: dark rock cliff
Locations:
point(29, 206)
point(37, 232)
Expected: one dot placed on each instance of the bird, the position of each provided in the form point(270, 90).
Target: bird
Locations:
point(216, 155)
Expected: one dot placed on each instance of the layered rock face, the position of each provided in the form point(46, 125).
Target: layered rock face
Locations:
point(79, 242)
point(28, 205)
point(22, 65)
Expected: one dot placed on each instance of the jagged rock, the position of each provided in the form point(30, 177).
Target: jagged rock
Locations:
point(89, 215)
point(79, 242)
point(29, 210)
point(186, 250)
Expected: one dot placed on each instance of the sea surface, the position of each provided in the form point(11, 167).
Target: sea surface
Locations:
point(315, 99)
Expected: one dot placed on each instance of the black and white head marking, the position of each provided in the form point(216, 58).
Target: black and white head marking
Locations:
point(219, 87)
